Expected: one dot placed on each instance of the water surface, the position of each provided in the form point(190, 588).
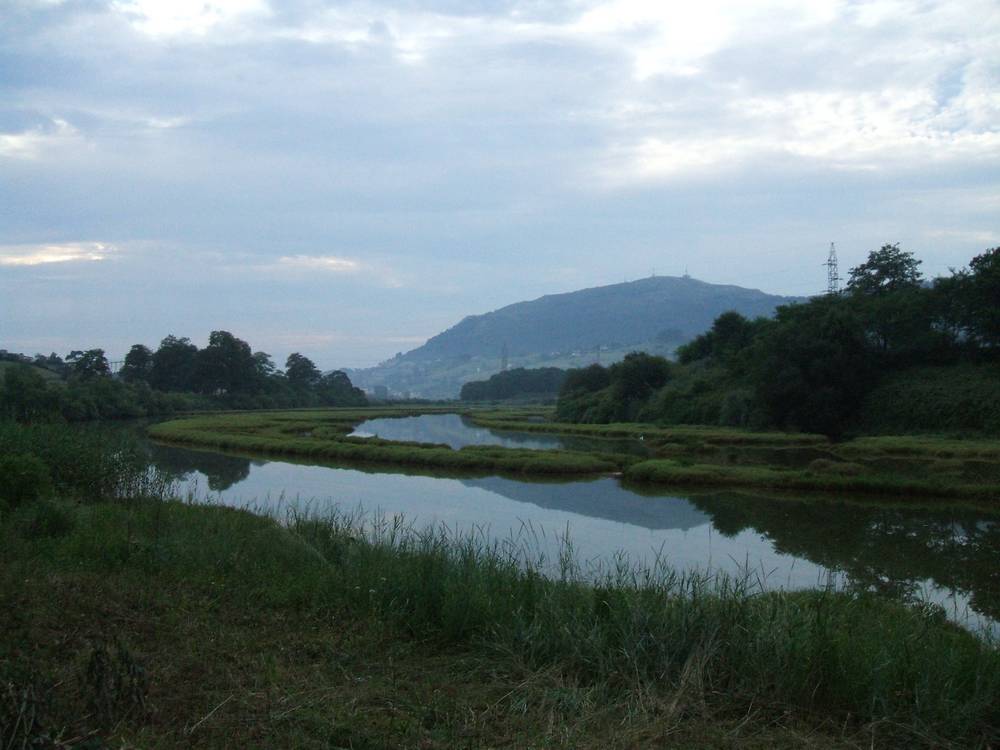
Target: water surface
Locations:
point(457, 431)
point(947, 555)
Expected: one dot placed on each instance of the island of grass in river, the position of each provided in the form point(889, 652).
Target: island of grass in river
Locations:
point(683, 456)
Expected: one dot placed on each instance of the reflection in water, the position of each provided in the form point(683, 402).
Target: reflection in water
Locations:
point(951, 555)
point(221, 471)
point(883, 548)
point(457, 431)
point(601, 498)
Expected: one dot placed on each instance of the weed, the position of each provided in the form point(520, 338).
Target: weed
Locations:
point(115, 684)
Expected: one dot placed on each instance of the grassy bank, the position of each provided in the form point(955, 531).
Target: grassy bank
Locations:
point(540, 420)
point(822, 476)
point(684, 456)
point(159, 624)
point(323, 436)
point(131, 620)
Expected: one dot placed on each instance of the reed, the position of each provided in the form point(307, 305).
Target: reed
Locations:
point(708, 645)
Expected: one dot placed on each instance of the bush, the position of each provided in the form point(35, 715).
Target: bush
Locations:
point(959, 399)
point(23, 478)
point(47, 519)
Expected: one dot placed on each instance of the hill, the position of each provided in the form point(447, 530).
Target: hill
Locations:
point(566, 330)
point(44, 372)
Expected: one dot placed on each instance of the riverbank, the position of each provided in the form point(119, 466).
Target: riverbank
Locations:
point(323, 435)
point(130, 619)
point(155, 623)
point(684, 456)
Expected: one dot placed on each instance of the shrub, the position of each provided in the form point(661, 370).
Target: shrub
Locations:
point(47, 519)
point(23, 478)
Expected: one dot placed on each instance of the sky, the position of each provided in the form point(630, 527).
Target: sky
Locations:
point(346, 179)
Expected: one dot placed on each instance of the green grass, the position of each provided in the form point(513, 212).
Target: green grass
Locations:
point(683, 434)
point(323, 436)
point(821, 476)
point(136, 621)
point(160, 624)
point(900, 466)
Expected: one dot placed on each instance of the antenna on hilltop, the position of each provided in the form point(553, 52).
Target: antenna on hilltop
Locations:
point(832, 274)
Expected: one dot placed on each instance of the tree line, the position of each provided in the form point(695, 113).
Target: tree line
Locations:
point(177, 376)
point(815, 366)
point(520, 382)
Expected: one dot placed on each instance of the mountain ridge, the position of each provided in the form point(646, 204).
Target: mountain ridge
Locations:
point(626, 313)
point(656, 313)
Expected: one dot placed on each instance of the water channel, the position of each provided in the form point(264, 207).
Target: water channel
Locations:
point(947, 555)
point(457, 431)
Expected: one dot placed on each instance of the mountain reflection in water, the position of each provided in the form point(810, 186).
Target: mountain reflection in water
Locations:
point(902, 551)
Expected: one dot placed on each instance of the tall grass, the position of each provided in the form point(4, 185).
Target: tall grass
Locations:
point(706, 638)
point(692, 641)
point(88, 463)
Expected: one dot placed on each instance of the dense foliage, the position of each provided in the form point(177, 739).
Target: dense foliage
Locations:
point(820, 366)
point(519, 383)
point(178, 376)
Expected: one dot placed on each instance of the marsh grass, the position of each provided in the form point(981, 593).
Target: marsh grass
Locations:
point(686, 456)
point(835, 477)
point(87, 463)
point(327, 439)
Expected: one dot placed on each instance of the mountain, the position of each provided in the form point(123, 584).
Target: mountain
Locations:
point(567, 330)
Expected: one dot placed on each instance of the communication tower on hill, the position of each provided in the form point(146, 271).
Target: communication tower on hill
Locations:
point(832, 274)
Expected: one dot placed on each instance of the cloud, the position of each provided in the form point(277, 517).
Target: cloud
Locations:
point(36, 255)
point(160, 18)
point(322, 263)
point(38, 141)
point(432, 158)
point(983, 237)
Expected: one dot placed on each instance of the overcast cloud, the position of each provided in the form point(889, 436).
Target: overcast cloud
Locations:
point(346, 179)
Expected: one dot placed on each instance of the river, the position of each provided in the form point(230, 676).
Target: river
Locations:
point(946, 555)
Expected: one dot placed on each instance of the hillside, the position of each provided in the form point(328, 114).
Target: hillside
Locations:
point(625, 313)
point(566, 330)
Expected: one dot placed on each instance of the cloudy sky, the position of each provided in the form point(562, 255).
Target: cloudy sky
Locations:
point(346, 179)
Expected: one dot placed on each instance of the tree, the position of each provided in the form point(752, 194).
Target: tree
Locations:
point(25, 396)
point(982, 298)
point(88, 364)
point(336, 389)
point(586, 379)
point(887, 270)
point(638, 374)
point(174, 365)
point(300, 371)
point(226, 365)
point(522, 382)
point(52, 362)
point(897, 311)
point(730, 334)
point(263, 365)
point(138, 364)
point(811, 367)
